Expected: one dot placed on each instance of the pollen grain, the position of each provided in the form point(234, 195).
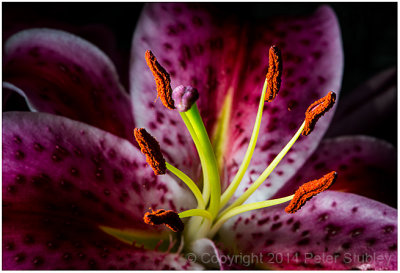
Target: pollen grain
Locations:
point(163, 81)
point(310, 189)
point(168, 217)
point(274, 73)
point(151, 149)
point(317, 110)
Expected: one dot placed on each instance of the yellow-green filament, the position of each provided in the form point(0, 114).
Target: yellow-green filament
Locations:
point(195, 212)
point(189, 182)
point(249, 153)
point(266, 173)
point(210, 167)
point(244, 208)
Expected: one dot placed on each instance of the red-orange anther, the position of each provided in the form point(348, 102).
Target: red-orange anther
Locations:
point(150, 147)
point(310, 189)
point(317, 110)
point(163, 81)
point(168, 217)
point(274, 73)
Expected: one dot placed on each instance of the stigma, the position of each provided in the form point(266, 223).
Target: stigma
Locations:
point(184, 97)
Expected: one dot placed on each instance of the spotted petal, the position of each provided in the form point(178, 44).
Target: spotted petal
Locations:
point(365, 165)
point(63, 74)
point(226, 60)
point(56, 168)
point(332, 231)
point(47, 242)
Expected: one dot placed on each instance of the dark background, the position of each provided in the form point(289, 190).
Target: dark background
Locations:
point(369, 33)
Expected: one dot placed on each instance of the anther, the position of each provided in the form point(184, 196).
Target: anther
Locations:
point(184, 97)
point(274, 73)
point(168, 217)
point(310, 189)
point(317, 110)
point(151, 149)
point(163, 81)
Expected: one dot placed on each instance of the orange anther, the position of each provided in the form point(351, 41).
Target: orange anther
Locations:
point(274, 73)
point(310, 189)
point(168, 217)
point(317, 110)
point(163, 81)
point(150, 147)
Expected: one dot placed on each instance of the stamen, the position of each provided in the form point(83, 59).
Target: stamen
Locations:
point(317, 110)
point(189, 182)
point(151, 149)
point(310, 189)
point(256, 184)
point(274, 73)
point(162, 79)
point(168, 217)
point(184, 97)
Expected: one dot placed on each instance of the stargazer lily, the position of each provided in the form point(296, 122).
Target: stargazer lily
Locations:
point(226, 142)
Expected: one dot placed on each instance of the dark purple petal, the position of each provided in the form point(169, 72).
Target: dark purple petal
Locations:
point(41, 242)
point(63, 74)
point(219, 57)
point(332, 231)
point(365, 165)
point(369, 108)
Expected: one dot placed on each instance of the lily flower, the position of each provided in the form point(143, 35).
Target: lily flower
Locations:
point(226, 142)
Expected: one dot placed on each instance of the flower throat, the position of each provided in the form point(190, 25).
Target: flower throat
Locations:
point(213, 207)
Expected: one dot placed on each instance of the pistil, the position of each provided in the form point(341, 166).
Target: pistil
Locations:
point(211, 166)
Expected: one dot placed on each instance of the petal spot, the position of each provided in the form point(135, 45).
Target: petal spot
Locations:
point(19, 155)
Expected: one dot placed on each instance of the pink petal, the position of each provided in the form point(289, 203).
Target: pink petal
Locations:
point(55, 165)
point(332, 231)
point(36, 241)
point(216, 54)
point(63, 74)
point(365, 165)
point(207, 253)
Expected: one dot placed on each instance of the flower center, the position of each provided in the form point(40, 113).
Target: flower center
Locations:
point(213, 208)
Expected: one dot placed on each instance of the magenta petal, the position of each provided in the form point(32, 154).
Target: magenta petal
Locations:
point(55, 165)
point(41, 242)
point(365, 165)
point(219, 56)
point(332, 231)
point(63, 74)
